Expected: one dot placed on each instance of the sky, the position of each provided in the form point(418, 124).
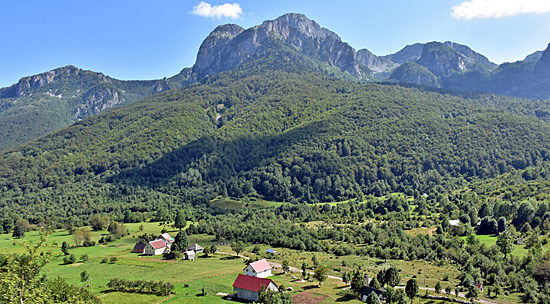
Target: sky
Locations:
point(151, 39)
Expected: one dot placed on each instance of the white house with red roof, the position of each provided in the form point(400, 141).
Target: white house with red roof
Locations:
point(248, 287)
point(260, 269)
point(155, 247)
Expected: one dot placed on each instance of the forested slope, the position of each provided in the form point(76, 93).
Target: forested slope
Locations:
point(272, 134)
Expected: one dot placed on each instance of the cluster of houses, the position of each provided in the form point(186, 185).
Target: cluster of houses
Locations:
point(162, 244)
point(247, 286)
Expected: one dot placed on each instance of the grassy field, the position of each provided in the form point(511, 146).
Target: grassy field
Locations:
point(215, 274)
point(519, 250)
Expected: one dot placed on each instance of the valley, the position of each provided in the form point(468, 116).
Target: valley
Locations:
point(422, 175)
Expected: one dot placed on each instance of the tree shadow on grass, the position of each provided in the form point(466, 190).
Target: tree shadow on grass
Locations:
point(310, 287)
point(230, 258)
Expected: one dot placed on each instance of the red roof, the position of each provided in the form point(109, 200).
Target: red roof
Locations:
point(251, 283)
point(139, 248)
point(157, 244)
point(260, 266)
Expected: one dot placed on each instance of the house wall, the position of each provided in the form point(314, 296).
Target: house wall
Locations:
point(247, 294)
point(264, 274)
point(249, 271)
point(150, 251)
point(251, 295)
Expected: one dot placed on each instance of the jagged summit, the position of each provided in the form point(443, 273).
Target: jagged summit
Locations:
point(234, 46)
point(543, 64)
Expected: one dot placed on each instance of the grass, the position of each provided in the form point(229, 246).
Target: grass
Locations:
point(519, 250)
point(217, 273)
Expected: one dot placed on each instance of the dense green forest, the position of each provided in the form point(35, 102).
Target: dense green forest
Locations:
point(276, 135)
point(307, 139)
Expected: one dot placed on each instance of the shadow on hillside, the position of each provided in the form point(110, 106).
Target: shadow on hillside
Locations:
point(222, 158)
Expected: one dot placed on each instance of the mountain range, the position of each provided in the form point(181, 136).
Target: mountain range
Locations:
point(43, 103)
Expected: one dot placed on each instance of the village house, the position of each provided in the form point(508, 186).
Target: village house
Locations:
point(248, 287)
point(271, 251)
point(196, 248)
point(190, 255)
point(167, 239)
point(366, 290)
point(139, 248)
point(155, 247)
point(259, 269)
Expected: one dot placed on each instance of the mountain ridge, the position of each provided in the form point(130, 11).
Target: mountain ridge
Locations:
point(69, 94)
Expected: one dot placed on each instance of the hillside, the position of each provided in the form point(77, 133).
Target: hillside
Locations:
point(275, 135)
point(43, 103)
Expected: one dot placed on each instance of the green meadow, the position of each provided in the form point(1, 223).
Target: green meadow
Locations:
point(215, 274)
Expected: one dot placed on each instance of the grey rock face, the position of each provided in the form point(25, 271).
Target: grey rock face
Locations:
point(212, 47)
point(543, 65)
point(373, 62)
point(441, 60)
point(97, 100)
point(229, 46)
point(161, 86)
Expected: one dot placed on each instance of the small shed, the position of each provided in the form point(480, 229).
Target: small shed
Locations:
point(196, 248)
point(139, 248)
point(190, 255)
point(155, 247)
point(248, 287)
point(271, 251)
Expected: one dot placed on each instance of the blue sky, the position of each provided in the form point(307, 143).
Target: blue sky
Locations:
point(150, 39)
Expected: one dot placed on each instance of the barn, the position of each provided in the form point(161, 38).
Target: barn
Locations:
point(248, 287)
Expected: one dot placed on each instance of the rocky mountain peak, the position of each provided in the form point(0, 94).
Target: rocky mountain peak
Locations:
point(229, 46)
point(543, 64)
point(298, 24)
point(226, 31)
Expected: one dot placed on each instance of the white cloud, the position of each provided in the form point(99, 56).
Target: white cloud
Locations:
point(204, 9)
point(484, 9)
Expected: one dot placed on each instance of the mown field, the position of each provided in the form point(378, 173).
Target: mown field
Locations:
point(214, 274)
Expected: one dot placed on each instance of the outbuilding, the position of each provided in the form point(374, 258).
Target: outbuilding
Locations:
point(190, 255)
point(248, 287)
point(139, 248)
point(196, 248)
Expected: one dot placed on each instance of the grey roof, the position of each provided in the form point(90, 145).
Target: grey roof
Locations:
point(195, 247)
point(366, 290)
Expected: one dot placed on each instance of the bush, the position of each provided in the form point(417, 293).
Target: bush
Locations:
point(104, 261)
point(84, 257)
point(88, 244)
point(113, 260)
